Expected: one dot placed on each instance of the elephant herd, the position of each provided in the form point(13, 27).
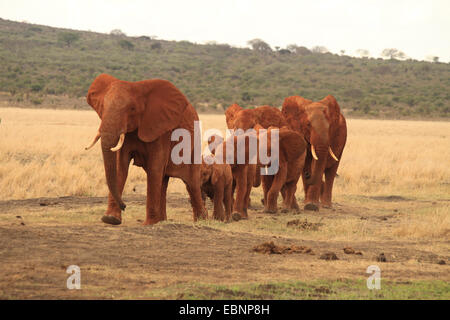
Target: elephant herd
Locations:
point(137, 122)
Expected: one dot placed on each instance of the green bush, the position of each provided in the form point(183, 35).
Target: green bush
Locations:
point(125, 44)
point(68, 38)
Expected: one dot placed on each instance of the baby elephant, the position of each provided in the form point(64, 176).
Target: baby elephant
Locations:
point(217, 183)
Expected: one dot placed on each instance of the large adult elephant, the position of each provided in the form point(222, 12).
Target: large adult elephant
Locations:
point(137, 120)
point(325, 131)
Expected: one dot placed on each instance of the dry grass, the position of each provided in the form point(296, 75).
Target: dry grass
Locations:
point(42, 155)
point(428, 224)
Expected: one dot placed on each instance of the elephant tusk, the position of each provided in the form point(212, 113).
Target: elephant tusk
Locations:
point(332, 154)
point(313, 151)
point(93, 142)
point(120, 143)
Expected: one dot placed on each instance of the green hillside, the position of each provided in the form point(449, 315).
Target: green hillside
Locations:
point(39, 61)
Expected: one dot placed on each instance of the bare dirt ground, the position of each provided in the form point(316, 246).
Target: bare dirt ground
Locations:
point(40, 238)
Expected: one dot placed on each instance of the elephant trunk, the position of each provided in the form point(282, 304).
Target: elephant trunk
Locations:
point(318, 166)
point(319, 149)
point(108, 141)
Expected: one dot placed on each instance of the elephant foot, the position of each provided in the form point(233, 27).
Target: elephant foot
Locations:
point(239, 216)
point(272, 211)
point(326, 205)
point(149, 222)
point(236, 216)
point(284, 210)
point(111, 220)
point(311, 207)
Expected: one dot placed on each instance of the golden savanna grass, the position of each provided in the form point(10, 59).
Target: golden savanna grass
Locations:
point(42, 155)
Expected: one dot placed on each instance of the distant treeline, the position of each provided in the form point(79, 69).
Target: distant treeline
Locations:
point(37, 61)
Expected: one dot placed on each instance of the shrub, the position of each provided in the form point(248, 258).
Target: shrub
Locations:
point(125, 44)
point(68, 38)
point(156, 45)
point(37, 87)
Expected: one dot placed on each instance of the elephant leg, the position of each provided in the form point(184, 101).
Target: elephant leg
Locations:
point(165, 183)
point(312, 197)
point(241, 191)
point(312, 192)
point(306, 173)
point(325, 197)
point(193, 186)
point(113, 214)
point(218, 213)
point(266, 182)
point(228, 201)
point(283, 192)
point(250, 179)
point(154, 196)
point(286, 201)
point(277, 184)
point(289, 201)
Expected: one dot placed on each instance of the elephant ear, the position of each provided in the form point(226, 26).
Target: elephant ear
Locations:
point(294, 111)
point(164, 106)
point(334, 110)
point(292, 144)
point(98, 90)
point(230, 114)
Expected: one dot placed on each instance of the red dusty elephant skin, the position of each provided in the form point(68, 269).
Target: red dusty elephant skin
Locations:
point(137, 119)
point(325, 131)
point(217, 184)
point(243, 174)
point(247, 176)
point(291, 159)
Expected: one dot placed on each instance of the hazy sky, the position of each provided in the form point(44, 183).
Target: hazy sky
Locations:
point(420, 28)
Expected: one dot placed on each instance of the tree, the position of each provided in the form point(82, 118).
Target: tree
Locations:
point(303, 51)
point(292, 47)
point(319, 49)
point(284, 51)
point(259, 45)
point(68, 38)
point(117, 32)
point(435, 59)
point(393, 53)
point(363, 53)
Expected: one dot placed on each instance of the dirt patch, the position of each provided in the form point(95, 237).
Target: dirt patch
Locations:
point(392, 198)
point(68, 202)
point(272, 248)
point(304, 225)
point(131, 260)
